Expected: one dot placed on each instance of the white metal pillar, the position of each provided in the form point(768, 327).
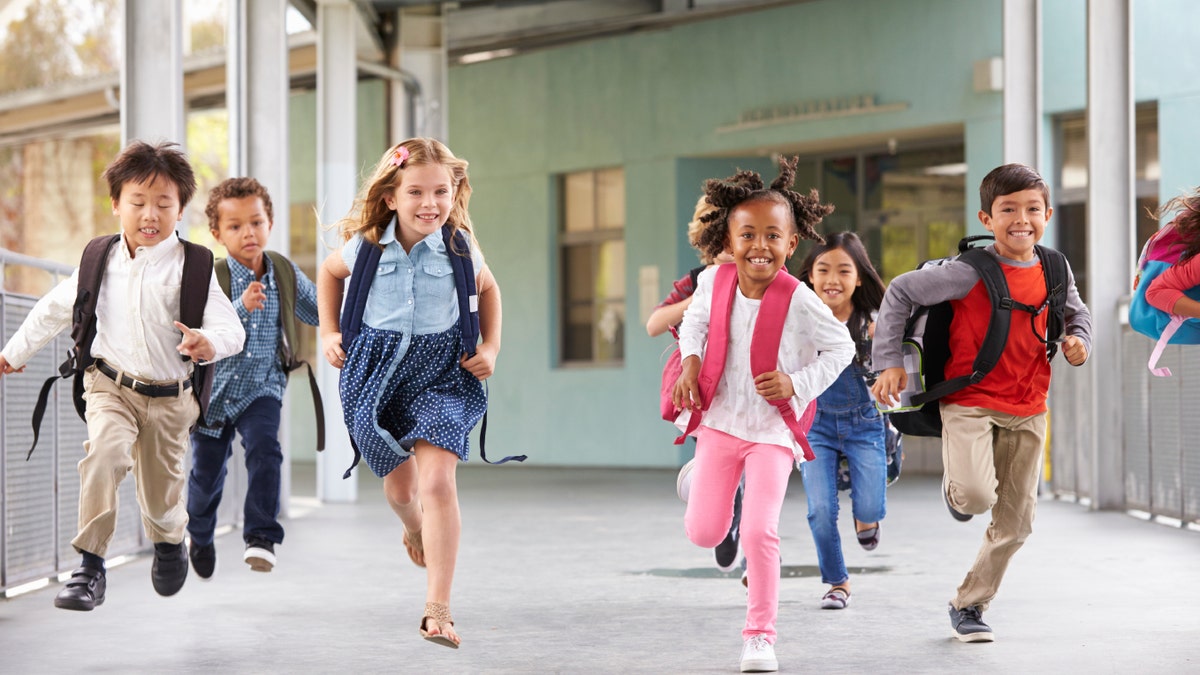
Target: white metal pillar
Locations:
point(1022, 29)
point(419, 107)
point(152, 106)
point(1110, 216)
point(256, 98)
point(337, 178)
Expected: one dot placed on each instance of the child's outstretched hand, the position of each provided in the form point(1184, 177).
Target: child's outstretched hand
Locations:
point(888, 385)
point(254, 297)
point(6, 367)
point(195, 345)
point(331, 347)
point(483, 364)
point(774, 386)
point(687, 387)
point(1074, 350)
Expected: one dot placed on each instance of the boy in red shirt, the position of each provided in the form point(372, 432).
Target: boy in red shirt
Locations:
point(994, 431)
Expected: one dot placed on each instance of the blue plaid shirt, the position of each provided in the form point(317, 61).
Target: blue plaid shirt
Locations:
point(256, 371)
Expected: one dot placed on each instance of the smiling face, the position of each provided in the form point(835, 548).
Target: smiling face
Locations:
point(1018, 221)
point(762, 238)
point(834, 277)
point(243, 228)
point(148, 212)
point(422, 202)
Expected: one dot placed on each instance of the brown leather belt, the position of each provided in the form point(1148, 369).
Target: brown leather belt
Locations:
point(144, 388)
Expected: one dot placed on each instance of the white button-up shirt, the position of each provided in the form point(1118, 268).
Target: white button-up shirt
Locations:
point(135, 314)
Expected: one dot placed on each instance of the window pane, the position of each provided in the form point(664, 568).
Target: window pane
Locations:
point(579, 201)
point(899, 248)
point(610, 331)
point(577, 333)
point(1074, 155)
point(610, 280)
point(1146, 149)
point(577, 272)
point(610, 199)
point(838, 188)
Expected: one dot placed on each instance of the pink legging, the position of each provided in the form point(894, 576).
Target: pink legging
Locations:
point(720, 462)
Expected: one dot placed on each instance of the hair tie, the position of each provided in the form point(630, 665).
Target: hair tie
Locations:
point(400, 156)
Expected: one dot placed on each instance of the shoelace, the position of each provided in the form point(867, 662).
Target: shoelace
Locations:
point(757, 643)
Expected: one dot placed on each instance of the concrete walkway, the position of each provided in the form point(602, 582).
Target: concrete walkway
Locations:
point(588, 571)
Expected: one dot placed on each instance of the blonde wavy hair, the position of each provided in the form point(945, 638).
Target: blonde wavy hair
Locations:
point(370, 214)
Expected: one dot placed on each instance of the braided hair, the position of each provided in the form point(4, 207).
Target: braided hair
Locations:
point(747, 186)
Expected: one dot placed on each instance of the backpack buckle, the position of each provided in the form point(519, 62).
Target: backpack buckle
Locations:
point(977, 377)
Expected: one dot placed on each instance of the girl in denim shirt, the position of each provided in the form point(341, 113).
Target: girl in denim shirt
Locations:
point(408, 389)
point(848, 425)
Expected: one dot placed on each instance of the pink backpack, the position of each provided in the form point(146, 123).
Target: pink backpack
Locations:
point(764, 352)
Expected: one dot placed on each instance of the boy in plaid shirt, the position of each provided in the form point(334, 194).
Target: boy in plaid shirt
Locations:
point(248, 389)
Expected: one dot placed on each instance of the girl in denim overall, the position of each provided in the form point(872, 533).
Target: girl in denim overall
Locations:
point(847, 426)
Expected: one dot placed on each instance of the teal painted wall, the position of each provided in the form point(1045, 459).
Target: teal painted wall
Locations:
point(653, 102)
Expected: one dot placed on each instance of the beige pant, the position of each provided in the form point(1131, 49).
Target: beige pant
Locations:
point(128, 430)
point(993, 461)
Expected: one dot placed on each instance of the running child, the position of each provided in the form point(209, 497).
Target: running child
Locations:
point(847, 423)
point(740, 431)
point(411, 395)
point(248, 388)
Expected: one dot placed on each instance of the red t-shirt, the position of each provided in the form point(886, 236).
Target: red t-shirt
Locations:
point(1019, 382)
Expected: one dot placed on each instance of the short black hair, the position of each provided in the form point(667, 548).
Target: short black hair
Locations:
point(141, 162)
point(1008, 179)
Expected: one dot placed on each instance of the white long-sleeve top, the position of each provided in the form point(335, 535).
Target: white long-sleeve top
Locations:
point(135, 315)
point(813, 351)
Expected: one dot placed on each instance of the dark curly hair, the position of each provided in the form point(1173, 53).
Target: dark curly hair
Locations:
point(236, 188)
point(747, 186)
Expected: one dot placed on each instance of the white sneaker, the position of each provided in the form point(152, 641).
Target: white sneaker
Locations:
point(758, 656)
point(683, 483)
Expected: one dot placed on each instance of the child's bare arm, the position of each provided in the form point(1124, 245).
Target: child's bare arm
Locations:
point(483, 364)
point(664, 317)
point(330, 287)
point(687, 387)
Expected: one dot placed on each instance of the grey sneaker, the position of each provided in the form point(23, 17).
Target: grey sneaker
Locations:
point(969, 626)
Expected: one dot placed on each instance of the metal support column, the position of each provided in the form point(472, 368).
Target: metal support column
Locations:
point(1110, 216)
point(337, 184)
point(419, 108)
point(152, 106)
point(1022, 29)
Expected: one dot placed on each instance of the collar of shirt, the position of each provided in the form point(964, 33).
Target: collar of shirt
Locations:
point(152, 254)
point(245, 275)
point(433, 240)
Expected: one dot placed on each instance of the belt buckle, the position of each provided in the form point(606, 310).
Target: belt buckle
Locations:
point(137, 385)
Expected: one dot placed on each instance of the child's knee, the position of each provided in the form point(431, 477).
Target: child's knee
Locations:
point(705, 532)
point(972, 499)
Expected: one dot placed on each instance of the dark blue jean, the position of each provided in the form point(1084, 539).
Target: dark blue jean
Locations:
point(259, 427)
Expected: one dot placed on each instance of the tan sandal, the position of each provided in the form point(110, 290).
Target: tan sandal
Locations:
point(440, 614)
point(415, 547)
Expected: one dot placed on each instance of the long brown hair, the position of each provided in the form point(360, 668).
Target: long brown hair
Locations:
point(1187, 221)
point(371, 215)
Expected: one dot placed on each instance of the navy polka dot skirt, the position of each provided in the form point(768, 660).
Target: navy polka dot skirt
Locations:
point(389, 406)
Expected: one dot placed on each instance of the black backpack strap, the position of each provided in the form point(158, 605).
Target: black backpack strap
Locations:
point(365, 264)
point(83, 330)
point(193, 299)
point(285, 278)
point(1054, 269)
point(996, 335)
point(221, 268)
point(459, 252)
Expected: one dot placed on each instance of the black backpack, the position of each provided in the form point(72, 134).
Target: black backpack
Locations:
point(285, 275)
point(365, 265)
point(927, 334)
point(193, 298)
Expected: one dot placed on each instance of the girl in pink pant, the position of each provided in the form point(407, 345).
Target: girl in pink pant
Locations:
point(740, 431)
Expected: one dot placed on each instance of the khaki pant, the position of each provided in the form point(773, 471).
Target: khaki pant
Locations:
point(993, 461)
point(128, 430)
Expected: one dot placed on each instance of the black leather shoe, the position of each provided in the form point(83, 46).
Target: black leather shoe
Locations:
point(204, 560)
point(170, 567)
point(84, 591)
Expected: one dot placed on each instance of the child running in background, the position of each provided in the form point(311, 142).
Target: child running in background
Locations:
point(847, 423)
point(1167, 290)
point(667, 316)
point(248, 388)
point(741, 431)
point(408, 390)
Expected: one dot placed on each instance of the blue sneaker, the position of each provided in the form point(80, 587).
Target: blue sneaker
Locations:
point(969, 626)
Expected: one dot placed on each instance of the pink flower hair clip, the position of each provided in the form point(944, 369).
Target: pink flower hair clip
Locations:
point(400, 156)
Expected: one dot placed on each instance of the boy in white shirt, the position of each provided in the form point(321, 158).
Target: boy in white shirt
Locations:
point(141, 402)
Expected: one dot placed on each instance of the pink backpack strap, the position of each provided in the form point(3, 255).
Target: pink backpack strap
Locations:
point(764, 352)
point(717, 348)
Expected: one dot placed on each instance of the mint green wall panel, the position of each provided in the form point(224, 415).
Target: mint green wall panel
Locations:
point(1180, 161)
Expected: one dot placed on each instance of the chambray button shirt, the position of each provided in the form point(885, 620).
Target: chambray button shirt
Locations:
point(413, 293)
point(256, 371)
